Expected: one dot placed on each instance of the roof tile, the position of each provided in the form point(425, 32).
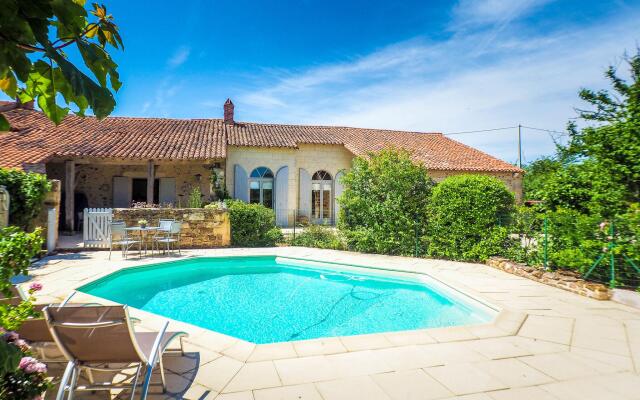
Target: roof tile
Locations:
point(34, 139)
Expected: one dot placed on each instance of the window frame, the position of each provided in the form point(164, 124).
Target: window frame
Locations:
point(262, 175)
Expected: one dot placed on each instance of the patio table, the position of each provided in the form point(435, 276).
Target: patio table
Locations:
point(143, 233)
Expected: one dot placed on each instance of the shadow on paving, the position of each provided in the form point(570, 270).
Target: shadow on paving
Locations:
point(180, 372)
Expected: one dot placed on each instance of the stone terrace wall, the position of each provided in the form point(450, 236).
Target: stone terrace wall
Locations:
point(201, 228)
point(567, 280)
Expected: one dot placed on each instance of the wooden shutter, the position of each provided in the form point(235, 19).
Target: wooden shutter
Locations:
point(282, 196)
point(305, 194)
point(121, 192)
point(240, 184)
point(167, 191)
point(338, 188)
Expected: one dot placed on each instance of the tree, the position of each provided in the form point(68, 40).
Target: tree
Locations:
point(35, 37)
point(612, 142)
point(384, 203)
point(536, 175)
point(598, 170)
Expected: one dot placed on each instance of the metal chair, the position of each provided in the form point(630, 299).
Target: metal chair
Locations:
point(96, 338)
point(120, 237)
point(172, 238)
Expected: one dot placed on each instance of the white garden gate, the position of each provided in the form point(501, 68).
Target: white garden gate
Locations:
point(96, 228)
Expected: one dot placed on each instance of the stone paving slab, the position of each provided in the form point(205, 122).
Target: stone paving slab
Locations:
point(545, 343)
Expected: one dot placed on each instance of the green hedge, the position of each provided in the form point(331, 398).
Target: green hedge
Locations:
point(253, 225)
point(319, 236)
point(385, 201)
point(27, 191)
point(465, 216)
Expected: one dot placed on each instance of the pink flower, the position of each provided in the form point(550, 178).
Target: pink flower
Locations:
point(40, 368)
point(26, 362)
point(30, 365)
point(35, 286)
point(602, 225)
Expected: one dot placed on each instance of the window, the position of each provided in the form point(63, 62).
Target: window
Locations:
point(261, 187)
point(321, 184)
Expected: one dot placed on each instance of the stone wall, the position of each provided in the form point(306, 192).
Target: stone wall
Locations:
point(567, 280)
point(201, 228)
point(95, 179)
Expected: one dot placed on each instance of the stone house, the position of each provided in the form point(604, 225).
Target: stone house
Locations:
point(294, 169)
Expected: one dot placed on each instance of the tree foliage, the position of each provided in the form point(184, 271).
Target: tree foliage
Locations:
point(604, 156)
point(536, 176)
point(35, 39)
point(384, 203)
point(466, 215)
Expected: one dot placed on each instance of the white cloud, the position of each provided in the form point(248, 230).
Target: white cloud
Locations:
point(469, 13)
point(453, 86)
point(179, 57)
point(161, 104)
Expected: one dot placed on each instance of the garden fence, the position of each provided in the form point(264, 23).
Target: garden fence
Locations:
point(603, 251)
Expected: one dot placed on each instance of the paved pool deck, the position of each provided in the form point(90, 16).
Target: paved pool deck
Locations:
point(545, 343)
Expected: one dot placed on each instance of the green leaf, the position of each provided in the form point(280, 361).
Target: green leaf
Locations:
point(100, 99)
point(10, 356)
point(4, 124)
point(8, 85)
point(100, 64)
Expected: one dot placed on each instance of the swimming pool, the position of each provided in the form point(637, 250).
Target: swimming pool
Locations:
point(272, 299)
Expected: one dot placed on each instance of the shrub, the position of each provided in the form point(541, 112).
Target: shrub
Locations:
point(17, 248)
point(525, 244)
point(465, 216)
point(384, 203)
point(318, 236)
point(253, 225)
point(27, 191)
point(22, 377)
point(574, 240)
point(195, 198)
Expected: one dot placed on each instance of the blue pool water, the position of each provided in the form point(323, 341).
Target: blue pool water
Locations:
point(269, 299)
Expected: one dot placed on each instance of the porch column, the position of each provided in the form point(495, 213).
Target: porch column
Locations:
point(151, 177)
point(69, 189)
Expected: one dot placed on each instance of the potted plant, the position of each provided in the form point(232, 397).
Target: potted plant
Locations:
point(143, 223)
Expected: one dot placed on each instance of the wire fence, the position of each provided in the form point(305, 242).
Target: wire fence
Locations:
point(600, 250)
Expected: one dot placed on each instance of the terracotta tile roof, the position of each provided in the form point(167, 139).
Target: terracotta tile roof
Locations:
point(35, 139)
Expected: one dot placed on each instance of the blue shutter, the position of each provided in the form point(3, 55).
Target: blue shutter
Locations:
point(305, 194)
point(282, 196)
point(240, 184)
point(337, 190)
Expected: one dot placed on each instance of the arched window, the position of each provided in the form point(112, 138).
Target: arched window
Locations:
point(261, 186)
point(321, 187)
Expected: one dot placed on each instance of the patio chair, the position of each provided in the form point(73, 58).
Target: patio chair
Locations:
point(120, 237)
point(164, 229)
point(98, 337)
point(34, 329)
point(171, 239)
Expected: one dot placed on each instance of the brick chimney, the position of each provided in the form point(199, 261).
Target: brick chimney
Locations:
point(228, 112)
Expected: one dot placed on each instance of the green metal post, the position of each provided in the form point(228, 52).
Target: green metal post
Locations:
point(546, 244)
point(415, 224)
point(612, 259)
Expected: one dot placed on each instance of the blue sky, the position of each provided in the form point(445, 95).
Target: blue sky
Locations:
point(414, 65)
